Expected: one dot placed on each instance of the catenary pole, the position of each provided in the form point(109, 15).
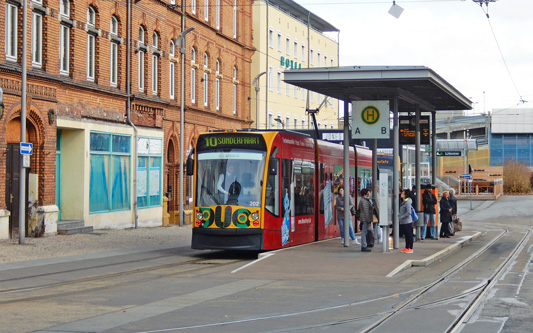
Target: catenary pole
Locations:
point(22, 174)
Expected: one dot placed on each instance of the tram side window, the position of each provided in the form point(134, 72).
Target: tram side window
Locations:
point(286, 197)
point(272, 194)
point(304, 191)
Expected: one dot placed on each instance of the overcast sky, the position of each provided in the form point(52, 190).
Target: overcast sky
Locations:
point(452, 37)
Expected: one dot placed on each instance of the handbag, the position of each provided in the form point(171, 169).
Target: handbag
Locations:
point(457, 224)
point(414, 215)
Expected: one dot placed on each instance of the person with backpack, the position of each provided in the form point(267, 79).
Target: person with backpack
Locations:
point(366, 209)
point(429, 200)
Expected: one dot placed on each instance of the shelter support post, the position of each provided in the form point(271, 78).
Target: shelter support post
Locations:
point(417, 169)
point(396, 174)
point(434, 147)
point(346, 178)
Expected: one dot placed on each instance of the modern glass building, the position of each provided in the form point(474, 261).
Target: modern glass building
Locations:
point(511, 136)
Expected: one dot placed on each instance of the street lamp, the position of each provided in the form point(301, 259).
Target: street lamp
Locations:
point(278, 120)
point(256, 83)
point(181, 45)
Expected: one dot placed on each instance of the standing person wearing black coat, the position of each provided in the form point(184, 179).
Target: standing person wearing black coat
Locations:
point(445, 215)
point(429, 200)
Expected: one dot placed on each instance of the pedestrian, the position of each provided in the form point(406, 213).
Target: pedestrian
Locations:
point(453, 201)
point(429, 200)
point(339, 207)
point(406, 221)
point(366, 209)
point(445, 215)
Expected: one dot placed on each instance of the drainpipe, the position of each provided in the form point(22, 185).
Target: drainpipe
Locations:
point(128, 112)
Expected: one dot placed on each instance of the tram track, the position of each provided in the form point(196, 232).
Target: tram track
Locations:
point(413, 295)
point(103, 281)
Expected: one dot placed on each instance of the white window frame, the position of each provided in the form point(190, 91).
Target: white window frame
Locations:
point(279, 41)
point(295, 122)
point(64, 49)
point(318, 58)
point(91, 45)
point(11, 30)
point(278, 123)
point(234, 90)
point(287, 121)
point(140, 68)
point(235, 18)
point(155, 63)
point(279, 82)
point(270, 120)
point(303, 123)
point(206, 80)
point(172, 71)
point(206, 10)
point(64, 8)
point(270, 78)
point(193, 76)
point(271, 37)
point(287, 89)
point(295, 49)
point(113, 54)
point(217, 86)
point(37, 40)
point(311, 55)
point(303, 52)
point(332, 62)
point(217, 19)
point(193, 6)
point(155, 78)
point(288, 45)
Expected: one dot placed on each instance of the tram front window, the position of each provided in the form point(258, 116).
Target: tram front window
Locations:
point(230, 177)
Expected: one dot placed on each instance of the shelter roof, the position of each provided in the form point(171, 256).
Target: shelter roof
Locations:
point(414, 86)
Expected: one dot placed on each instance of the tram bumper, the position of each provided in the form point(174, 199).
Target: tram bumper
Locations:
point(227, 239)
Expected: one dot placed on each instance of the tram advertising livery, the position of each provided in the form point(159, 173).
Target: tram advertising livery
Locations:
point(268, 190)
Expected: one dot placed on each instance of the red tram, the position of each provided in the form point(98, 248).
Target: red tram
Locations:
point(268, 190)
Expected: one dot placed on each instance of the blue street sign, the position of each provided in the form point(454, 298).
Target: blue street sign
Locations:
point(466, 176)
point(26, 148)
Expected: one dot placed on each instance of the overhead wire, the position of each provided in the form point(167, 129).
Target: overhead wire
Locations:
point(521, 100)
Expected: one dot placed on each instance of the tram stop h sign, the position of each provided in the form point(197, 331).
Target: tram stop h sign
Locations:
point(370, 120)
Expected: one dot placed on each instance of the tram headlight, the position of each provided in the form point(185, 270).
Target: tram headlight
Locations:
point(255, 216)
point(199, 216)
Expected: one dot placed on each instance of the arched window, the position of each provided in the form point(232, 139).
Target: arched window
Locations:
point(91, 43)
point(113, 57)
point(217, 86)
point(141, 53)
point(155, 63)
point(171, 70)
point(234, 94)
point(193, 75)
point(206, 80)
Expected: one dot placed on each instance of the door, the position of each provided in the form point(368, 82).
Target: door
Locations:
point(13, 163)
point(58, 174)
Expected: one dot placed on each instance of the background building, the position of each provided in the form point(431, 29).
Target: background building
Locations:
point(288, 36)
point(103, 106)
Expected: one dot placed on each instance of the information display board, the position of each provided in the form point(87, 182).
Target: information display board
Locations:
point(408, 130)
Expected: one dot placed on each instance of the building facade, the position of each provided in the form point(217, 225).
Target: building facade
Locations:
point(103, 103)
point(288, 36)
point(511, 136)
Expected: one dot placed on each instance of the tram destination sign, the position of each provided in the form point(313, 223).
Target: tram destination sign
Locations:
point(230, 140)
point(408, 130)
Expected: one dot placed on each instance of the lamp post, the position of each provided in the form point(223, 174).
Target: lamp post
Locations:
point(278, 120)
point(181, 44)
point(256, 83)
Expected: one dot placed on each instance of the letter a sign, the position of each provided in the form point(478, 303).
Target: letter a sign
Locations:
point(370, 120)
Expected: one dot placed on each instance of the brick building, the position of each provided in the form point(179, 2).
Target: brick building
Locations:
point(105, 126)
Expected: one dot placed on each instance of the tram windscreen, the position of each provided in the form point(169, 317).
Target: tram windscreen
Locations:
point(230, 177)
